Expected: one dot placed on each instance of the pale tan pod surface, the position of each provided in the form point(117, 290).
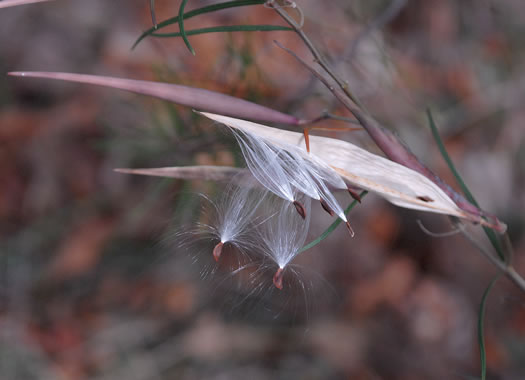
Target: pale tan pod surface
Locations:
point(399, 185)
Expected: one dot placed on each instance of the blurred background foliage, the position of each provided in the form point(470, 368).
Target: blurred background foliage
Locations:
point(93, 284)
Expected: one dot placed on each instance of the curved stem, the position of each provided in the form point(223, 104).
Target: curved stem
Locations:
point(506, 268)
point(317, 55)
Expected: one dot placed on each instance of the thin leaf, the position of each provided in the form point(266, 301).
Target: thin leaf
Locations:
point(14, 3)
point(396, 183)
point(204, 172)
point(187, 96)
point(226, 28)
point(196, 12)
point(181, 27)
point(488, 231)
point(332, 226)
point(481, 337)
point(448, 160)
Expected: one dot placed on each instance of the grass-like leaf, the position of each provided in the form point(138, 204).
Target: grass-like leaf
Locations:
point(181, 27)
point(332, 226)
point(196, 12)
point(481, 337)
point(494, 240)
point(196, 98)
point(227, 28)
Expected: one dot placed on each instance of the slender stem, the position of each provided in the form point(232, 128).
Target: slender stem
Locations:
point(379, 22)
point(315, 52)
point(328, 116)
point(506, 268)
point(515, 277)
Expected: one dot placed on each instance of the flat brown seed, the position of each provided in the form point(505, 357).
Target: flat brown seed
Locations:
point(354, 194)
point(300, 209)
point(278, 278)
point(326, 207)
point(217, 251)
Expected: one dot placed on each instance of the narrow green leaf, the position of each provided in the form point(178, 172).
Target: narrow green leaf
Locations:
point(494, 240)
point(196, 12)
point(448, 160)
point(481, 337)
point(332, 226)
point(181, 27)
point(227, 28)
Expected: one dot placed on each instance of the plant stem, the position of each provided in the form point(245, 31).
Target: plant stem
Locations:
point(506, 268)
point(315, 52)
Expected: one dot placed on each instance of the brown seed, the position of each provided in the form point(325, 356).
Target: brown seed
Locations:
point(350, 229)
point(217, 251)
point(278, 278)
point(326, 207)
point(424, 198)
point(300, 209)
point(354, 194)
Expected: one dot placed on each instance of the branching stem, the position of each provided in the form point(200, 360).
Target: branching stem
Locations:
point(315, 52)
point(506, 268)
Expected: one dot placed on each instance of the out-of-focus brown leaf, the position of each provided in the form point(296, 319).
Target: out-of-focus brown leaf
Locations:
point(389, 286)
point(435, 314)
point(339, 344)
point(179, 299)
point(383, 226)
point(81, 250)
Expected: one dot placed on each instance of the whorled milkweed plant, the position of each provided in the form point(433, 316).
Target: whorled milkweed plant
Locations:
point(297, 167)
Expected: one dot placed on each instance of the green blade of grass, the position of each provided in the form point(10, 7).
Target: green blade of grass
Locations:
point(181, 27)
point(488, 231)
point(448, 160)
point(227, 28)
point(481, 337)
point(332, 226)
point(196, 12)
